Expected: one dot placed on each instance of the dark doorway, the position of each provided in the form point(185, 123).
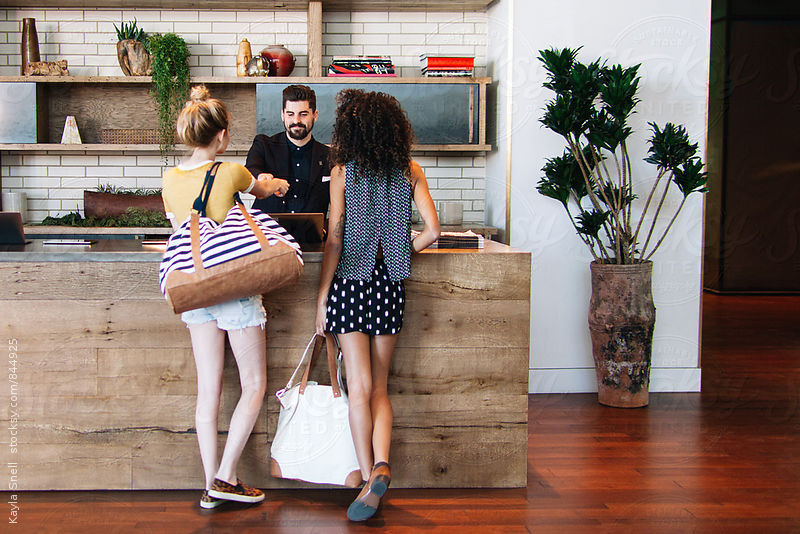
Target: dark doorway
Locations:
point(753, 208)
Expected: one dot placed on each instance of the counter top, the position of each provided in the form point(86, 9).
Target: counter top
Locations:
point(138, 250)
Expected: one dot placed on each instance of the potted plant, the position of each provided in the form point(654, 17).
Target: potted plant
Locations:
point(132, 53)
point(132, 217)
point(593, 181)
point(170, 79)
point(111, 201)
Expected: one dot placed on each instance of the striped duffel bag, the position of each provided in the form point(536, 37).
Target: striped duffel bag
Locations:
point(207, 263)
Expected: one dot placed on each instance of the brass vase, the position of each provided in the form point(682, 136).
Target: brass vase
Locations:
point(29, 44)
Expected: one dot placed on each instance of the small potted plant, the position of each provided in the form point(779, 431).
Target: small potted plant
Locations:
point(170, 79)
point(593, 181)
point(132, 53)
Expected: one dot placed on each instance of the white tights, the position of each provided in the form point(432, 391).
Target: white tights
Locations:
point(249, 350)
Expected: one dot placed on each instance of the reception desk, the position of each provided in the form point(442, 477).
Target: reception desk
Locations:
point(105, 382)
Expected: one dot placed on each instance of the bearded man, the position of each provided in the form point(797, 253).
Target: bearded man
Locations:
point(295, 156)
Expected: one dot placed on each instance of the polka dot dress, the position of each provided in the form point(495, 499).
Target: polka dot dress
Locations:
point(374, 306)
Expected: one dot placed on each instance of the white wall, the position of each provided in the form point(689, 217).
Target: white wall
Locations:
point(671, 40)
point(86, 38)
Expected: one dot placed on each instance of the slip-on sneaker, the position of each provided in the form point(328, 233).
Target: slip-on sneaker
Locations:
point(239, 493)
point(208, 502)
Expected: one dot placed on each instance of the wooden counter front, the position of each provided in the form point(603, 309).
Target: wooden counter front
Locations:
point(106, 378)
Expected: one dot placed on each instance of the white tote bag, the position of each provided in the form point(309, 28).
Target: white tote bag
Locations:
point(313, 441)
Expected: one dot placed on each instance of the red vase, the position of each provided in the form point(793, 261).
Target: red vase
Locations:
point(281, 60)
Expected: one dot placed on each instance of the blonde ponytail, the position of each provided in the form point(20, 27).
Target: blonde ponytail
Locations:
point(201, 118)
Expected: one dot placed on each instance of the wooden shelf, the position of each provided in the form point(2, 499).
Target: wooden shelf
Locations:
point(79, 96)
point(291, 5)
point(246, 79)
point(86, 148)
point(54, 231)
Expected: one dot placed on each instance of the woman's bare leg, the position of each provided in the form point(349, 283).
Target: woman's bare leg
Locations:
point(249, 349)
point(382, 349)
point(356, 354)
point(208, 345)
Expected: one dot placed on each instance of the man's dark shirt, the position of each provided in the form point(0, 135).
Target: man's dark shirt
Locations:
point(271, 155)
point(299, 171)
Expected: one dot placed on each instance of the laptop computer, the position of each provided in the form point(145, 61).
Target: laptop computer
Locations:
point(304, 227)
point(11, 230)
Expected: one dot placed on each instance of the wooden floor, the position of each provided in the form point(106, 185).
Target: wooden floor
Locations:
point(726, 460)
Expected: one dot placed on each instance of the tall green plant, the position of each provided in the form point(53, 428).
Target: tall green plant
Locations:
point(592, 179)
point(170, 79)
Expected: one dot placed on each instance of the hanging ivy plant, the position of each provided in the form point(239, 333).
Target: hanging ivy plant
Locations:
point(170, 79)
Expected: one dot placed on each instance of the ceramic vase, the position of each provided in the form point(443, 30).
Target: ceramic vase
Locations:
point(243, 57)
point(621, 321)
point(281, 60)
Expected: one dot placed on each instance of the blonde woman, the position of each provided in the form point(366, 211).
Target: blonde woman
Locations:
point(203, 125)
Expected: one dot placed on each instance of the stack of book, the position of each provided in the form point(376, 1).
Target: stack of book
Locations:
point(446, 65)
point(468, 239)
point(361, 66)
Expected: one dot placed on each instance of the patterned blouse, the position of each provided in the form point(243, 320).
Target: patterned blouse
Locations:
point(378, 211)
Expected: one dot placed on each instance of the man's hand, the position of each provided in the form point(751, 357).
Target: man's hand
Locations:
point(271, 185)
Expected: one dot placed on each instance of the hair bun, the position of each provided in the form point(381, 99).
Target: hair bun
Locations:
point(199, 93)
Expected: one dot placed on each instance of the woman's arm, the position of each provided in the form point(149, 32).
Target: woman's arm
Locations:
point(267, 185)
point(427, 210)
point(333, 244)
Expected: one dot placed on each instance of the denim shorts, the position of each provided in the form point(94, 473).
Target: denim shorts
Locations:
point(232, 315)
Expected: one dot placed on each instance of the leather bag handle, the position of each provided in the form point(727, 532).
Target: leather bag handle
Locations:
point(334, 361)
point(262, 239)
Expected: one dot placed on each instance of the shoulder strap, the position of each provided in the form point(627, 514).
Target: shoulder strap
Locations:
point(334, 360)
point(205, 192)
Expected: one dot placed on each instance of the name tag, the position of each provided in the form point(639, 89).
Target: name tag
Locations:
point(326, 178)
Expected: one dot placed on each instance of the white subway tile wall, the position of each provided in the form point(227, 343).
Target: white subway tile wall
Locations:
point(54, 184)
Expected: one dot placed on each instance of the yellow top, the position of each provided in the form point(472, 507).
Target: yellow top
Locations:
point(179, 188)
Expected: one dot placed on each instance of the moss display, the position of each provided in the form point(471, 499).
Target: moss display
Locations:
point(133, 217)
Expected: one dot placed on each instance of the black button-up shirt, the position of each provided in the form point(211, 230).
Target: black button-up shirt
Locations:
point(299, 176)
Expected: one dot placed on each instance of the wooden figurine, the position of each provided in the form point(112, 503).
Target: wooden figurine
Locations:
point(71, 134)
point(47, 68)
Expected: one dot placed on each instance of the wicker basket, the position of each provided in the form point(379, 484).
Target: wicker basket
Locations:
point(129, 136)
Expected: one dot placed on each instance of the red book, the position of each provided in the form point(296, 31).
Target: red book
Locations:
point(437, 62)
point(361, 75)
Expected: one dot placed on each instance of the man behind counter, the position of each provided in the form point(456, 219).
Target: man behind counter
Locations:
point(298, 158)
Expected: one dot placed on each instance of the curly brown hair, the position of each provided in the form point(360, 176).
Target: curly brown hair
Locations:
point(372, 130)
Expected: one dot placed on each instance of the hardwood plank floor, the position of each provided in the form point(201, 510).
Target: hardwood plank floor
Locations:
point(726, 460)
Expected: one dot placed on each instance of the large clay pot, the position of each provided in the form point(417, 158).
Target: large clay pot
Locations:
point(621, 321)
point(133, 57)
point(99, 204)
point(281, 60)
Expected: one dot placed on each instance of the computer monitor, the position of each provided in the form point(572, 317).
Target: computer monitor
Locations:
point(304, 227)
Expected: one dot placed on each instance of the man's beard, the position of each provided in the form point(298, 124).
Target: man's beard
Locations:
point(299, 131)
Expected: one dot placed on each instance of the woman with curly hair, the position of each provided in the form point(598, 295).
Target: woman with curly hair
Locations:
point(367, 256)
